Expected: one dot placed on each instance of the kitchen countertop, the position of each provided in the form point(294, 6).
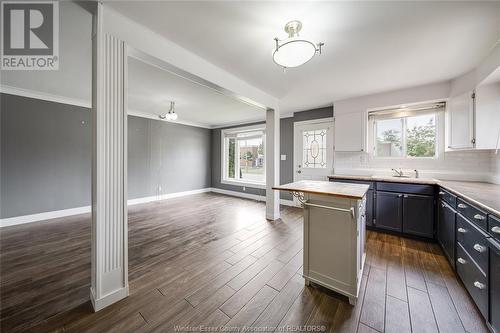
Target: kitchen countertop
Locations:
point(484, 195)
point(342, 190)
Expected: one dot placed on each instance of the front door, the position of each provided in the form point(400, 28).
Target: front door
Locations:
point(313, 149)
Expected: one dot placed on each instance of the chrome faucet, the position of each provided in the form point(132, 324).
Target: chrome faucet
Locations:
point(399, 173)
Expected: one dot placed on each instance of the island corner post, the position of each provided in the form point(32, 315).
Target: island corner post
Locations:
point(334, 233)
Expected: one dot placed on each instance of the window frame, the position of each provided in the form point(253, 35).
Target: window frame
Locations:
point(438, 115)
point(224, 156)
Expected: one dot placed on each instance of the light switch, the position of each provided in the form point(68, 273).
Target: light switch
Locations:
point(283, 157)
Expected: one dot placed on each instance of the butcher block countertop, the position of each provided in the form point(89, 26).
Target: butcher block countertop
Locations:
point(484, 195)
point(341, 190)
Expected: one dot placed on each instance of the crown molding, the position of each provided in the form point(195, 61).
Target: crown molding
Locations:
point(11, 90)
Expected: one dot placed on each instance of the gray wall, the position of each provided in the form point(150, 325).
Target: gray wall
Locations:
point(45, 156)
point(286, 143)
point(166, 158)
point(45, 160)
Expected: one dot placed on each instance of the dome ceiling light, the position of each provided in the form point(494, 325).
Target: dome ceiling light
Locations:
point(170, 115)
point(295, 50)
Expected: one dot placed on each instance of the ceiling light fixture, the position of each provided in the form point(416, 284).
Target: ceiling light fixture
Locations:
point(295, 50)
point(170, 115)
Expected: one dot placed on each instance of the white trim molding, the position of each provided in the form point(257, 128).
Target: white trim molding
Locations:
point(11, 221)
point(17, 220)
point(11, 90)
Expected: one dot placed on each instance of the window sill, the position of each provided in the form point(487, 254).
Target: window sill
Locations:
point(244, 183)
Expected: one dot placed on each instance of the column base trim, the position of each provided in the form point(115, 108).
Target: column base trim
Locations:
point(101, 303)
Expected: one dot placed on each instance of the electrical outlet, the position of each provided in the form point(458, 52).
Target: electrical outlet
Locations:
point(244, 188)
point(283, 157)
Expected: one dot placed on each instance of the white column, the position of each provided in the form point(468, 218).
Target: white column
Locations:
point(272, 164)
point(109, 170)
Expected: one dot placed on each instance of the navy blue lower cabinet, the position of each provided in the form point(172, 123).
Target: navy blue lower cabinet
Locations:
point(446, 230)
point(389, 211)
point(418, 215)
point(494, 253)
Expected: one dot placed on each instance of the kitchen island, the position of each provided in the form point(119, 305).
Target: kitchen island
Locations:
point(334, 233)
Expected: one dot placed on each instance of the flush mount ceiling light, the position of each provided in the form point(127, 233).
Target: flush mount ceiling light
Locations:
point(170, 115)
point(295, 50)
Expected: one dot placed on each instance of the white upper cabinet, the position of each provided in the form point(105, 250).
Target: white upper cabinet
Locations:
point(487, 116)
point(461, 121)
point(350, 131)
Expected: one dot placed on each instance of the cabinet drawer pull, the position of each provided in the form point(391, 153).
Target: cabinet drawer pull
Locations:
point(461, 205)
point(479, 217)
point(461, 260)
point(461, 230)
point(496, 230)
point(479, 285)
point(479, 248)
point(441, 193)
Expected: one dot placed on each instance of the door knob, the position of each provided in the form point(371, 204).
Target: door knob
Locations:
point(461, 230)
point(462, 261)
point(496, 230)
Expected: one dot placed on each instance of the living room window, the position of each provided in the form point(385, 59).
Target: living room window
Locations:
point(243, 161)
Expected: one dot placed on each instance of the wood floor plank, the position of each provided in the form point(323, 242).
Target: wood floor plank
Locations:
point(277, 309)
point(421, 314)
point(302, 308)
point(347, 316)
point(397, 317)
point(446, 315)
point(362, 328)
point(373, 310)
point(251, 311)
point(248, 291)
point(288, 271)
point(205, 290)
point(241, 279)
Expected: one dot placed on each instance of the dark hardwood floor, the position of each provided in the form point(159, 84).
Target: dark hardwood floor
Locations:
point(210, 260)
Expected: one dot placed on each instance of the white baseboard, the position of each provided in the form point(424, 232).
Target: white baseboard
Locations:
point(99, 304)
point(256, 197)
point(166, 196)
point(11, 221)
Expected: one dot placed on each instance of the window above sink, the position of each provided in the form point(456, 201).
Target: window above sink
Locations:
point(405, 132)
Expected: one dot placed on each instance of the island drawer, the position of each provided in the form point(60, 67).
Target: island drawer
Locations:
point(474, 280)
point(474, 241)
point(447, 197)
point(474, 214)
point(406, 188)
point(494, 227)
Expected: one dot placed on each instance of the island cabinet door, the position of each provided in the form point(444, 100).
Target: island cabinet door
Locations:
point(418, 215)
point(389, 210)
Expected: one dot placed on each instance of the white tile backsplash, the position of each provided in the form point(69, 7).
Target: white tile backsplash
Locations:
point(495, 167)
point(464, 165)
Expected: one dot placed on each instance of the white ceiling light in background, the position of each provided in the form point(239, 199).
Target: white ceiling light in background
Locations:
point(170, 115)
point(295, 50)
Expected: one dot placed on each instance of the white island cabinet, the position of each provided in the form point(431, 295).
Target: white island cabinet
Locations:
point(334, 233)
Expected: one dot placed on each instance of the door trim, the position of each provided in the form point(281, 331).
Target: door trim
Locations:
point(308, 122)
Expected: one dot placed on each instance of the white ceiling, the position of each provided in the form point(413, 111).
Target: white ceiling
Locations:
point(369, 47)
point(151, 89)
